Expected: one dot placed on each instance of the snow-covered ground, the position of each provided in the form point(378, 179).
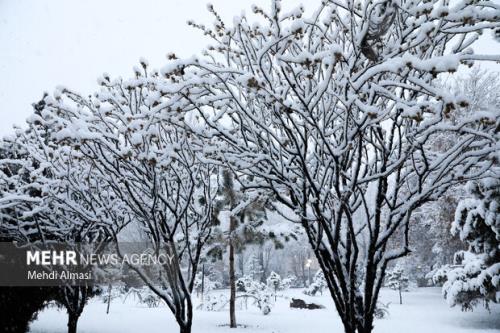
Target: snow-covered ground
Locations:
point(423, 311)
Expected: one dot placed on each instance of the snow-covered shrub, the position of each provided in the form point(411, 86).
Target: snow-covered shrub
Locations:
point(476, 274)
point(214, 302)
point(274, 281)
point(289, 282)
point(259, 292)
point(381, 310)
point(116, 291)
point(145, 296)
point(471, 282)
point(439, 275)
point(151, 300)
point(266, 309)
point(248, 285)
point(244, 283)
point(208, 283)
point(318, 284)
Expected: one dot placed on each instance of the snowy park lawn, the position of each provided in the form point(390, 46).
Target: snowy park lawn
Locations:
point(423, 311)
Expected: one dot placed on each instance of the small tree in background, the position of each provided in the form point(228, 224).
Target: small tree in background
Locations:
point(204, 282)
point(274, 282)
point(241, 213)
point(397, 280)
point(254, 267)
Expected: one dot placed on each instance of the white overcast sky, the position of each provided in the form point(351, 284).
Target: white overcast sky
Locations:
point(45, 43)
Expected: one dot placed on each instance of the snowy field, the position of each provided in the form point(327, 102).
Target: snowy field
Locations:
point(423, 311)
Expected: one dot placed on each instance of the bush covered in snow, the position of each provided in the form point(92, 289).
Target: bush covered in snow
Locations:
point(258, 291)
point(290, 281)
point(318, 284)
point(205, 282)
point(274, 281)
point(476, 273)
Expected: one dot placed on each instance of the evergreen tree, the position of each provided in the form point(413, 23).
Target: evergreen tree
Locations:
point(241, 214)
point(476, 273)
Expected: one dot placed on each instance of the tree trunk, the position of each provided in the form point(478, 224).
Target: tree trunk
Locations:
point(400, 297)
point(109, 298)
point(232, 278)
point(349, 329)
point(368, 328)
point(356, 317)
point(185, 328)
point(185, 315)
point(72, 322)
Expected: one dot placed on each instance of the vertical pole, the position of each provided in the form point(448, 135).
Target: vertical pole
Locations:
point(232, 278)
point(202, 282)
point(109, 298)
point(309, 268)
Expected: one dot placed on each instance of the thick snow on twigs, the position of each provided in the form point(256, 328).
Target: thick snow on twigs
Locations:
point(424, 310)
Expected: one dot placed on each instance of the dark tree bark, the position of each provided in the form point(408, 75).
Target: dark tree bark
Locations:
point(74, 300)
point(232, 278)
point(185, 328)
point(72, 322)
point(20, 305)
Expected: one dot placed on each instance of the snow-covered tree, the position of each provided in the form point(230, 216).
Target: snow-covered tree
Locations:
point(18, 198)
point(431, 229)
point(274, 282)
point(31, 206)
point(396, 279)
point(336, 114)
point(254, 267)
point(476, 273)
point(244, 212)
point(204, 283)
point(144, 169)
